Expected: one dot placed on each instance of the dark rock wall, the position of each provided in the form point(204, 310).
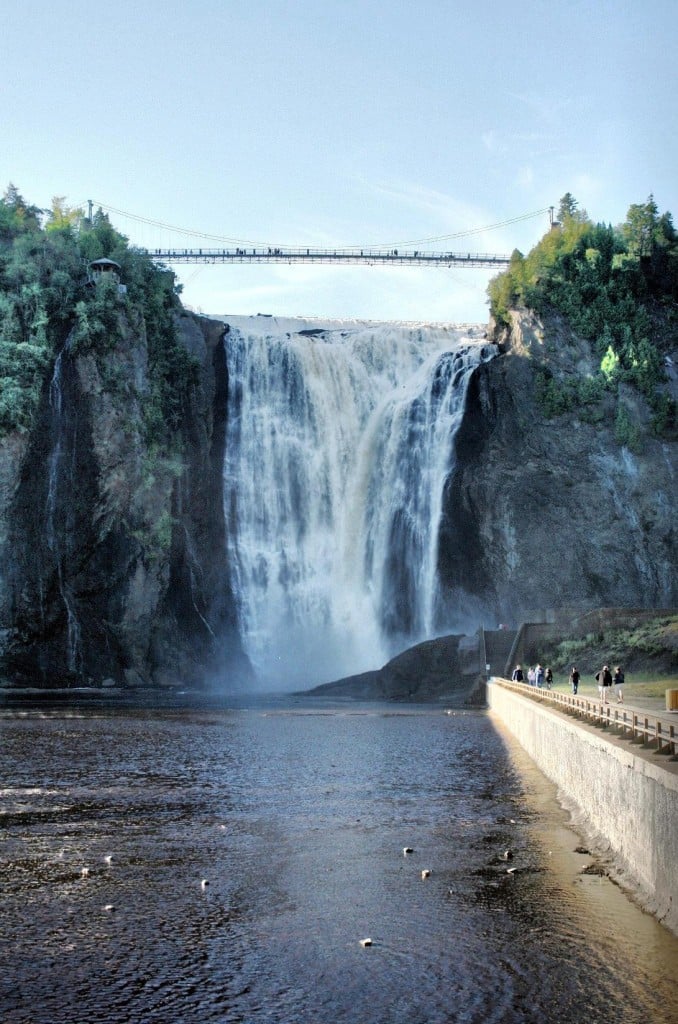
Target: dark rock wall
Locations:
point(541, 513)
point(112, 558)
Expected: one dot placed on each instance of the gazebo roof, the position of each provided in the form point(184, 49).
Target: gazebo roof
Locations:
point(104, 264)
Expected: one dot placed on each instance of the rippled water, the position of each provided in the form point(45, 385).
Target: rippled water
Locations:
point(296, 816)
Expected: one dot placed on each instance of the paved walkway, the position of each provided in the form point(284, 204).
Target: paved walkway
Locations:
point(656, 705)
point(644, 719)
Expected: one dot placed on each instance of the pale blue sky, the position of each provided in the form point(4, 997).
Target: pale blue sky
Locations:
point(369, 123)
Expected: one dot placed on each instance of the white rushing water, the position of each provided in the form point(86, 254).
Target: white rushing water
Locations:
point(340, 439)
point(55, 498)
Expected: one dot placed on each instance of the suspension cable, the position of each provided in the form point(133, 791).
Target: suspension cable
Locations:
point(150, 222)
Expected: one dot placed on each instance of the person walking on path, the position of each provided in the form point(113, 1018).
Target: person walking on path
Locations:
point(517, 676)
point(548, 678)
point(604, 678)
point(618, 682)
point(539, 676)
point(574, 679)
point(531, 676)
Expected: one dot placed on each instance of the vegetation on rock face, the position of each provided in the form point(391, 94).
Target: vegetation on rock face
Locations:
point(618, 288)
point(45, 299)
point(650, 644)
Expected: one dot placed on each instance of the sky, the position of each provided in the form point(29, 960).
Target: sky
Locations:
point(337, 123)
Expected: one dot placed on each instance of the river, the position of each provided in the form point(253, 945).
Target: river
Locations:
point(223, 863)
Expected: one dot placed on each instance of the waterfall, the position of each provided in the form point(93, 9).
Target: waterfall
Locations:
point(61, 486)
point(339, 443)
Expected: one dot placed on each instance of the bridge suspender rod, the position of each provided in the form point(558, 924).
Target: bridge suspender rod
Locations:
point(370, 257)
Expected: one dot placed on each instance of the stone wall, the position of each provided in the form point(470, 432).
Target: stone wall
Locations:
point(623, 800)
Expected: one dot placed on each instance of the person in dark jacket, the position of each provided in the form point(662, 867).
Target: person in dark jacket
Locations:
point(517, 676)
point(574, 679)
point(604, 678)
point(618, 683)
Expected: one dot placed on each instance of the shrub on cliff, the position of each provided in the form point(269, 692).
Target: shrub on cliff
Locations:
point(45, 297)
point(617, 287)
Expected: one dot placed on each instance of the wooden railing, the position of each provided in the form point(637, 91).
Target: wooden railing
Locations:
point(640, 726)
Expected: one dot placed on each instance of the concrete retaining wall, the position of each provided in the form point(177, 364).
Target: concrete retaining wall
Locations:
point(621, 799)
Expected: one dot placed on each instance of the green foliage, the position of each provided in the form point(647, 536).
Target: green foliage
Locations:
point(609, 364)
point(665, 418)
point(62, 217)
point(579, 395)
point(45, 298)
point(627, 432)
point(643, 641)
point(552, 397)
point(97, 320)
point(618, 287)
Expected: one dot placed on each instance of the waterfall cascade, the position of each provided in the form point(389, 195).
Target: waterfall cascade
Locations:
point(61, 486)
point(340, 440)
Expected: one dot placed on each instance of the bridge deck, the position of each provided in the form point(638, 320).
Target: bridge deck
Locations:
point(371, 257)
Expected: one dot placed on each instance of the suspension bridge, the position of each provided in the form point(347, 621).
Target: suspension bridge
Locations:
point(371, 257)
point(241, 251)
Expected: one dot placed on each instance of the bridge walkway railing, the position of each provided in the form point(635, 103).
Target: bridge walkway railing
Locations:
point(655, 731)
point(347, 256)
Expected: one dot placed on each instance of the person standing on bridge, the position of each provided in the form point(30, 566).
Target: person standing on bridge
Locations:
point(618, 681)
point(517, 676)
point(604, 680)
point(574, 679)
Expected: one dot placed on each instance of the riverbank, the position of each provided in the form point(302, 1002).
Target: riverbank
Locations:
point(623, 799)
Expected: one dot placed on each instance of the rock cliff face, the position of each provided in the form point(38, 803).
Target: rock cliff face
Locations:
point(112, 558)
point(113, 565)
point(553, 511)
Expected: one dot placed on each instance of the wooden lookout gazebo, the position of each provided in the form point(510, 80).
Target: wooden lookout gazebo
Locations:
point(104, 269)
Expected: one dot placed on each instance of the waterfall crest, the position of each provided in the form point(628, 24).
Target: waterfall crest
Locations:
point(340, 439)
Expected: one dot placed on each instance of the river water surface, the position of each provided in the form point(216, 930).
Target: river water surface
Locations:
point(295, 815)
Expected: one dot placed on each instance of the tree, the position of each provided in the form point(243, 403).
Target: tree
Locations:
point(569, 212)
point(17, 215)
point(568, 207)
point(642, 228)
point(62, 217)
